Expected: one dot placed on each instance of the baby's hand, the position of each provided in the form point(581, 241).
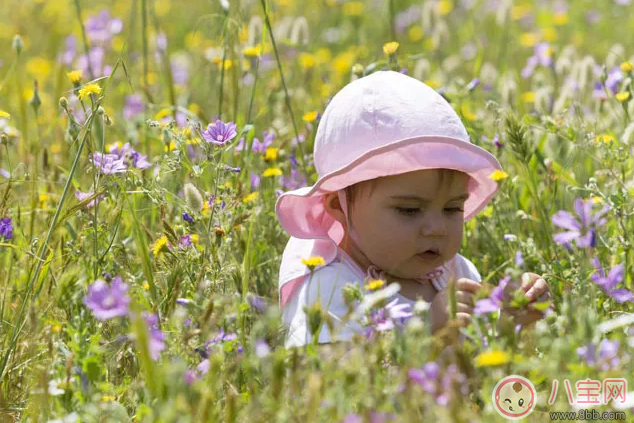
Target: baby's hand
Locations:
point(536, 291)
point(465, 293)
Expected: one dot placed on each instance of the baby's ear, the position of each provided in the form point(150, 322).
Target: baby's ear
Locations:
point(333, 207)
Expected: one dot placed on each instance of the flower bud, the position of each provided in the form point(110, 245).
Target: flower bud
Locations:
point(63, 102)
point(18, 44)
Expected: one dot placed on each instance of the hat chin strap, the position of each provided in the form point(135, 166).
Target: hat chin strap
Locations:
point(341, 194)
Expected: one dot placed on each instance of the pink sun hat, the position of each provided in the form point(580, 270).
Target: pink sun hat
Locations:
point(383, 124)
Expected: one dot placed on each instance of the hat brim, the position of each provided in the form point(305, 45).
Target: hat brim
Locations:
point(302, 214)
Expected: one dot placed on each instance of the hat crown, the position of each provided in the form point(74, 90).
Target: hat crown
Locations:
point(377, 110)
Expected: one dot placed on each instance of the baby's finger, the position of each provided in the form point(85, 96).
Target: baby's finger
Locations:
point(467, 285)
point(528, 280)
point(463, 318)
point(465, 297)
point(545, 297)
point(464, 308)
point(537, 290)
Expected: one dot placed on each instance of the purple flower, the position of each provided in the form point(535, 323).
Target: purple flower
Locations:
point(385, 318)
point(157, 337)
point(133, 106)
point(4, 173)
point(294, 181)
point(6, 229)
point(100, 28)
point(70, 51)
point(353, 418)
point(613, 278)
point(108, 163)
point(257, 146)
point(190, 376)
point(108, 301)
point(582, 230)
point(81, 196)
point(95, 58)
point(441, 388)
point(255, 181)
point(220, 132)
point(221, 337)
point(494, 302)
point(256, 302)
point(473, 84)
point(542, 56)
point(496, 141)
point(615, 76)
point(379, 417)
point(203, 367)
point(262, 348)
point(187, 217)
point(608, 357)
point(129, 156)
point(233, 169)
point(185, 241)
point(302, 138)
point(519, 259)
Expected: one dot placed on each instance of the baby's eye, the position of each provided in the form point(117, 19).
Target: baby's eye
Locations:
point(454, 209)
point(406, 211)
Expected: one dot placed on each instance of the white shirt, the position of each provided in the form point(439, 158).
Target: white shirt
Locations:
point(329, 280)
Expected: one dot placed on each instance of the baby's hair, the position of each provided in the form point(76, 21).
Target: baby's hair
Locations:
point(353, 191)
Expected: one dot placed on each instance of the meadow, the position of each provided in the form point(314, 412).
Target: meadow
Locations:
point(143, 146)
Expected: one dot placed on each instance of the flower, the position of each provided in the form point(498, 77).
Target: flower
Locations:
point(626, 67)
point(187, 217)
point(129, 156)
point(88, 90)
point(108, 163)
point(443, 389)
point(498, 175)
point(272, 171)
point(375, 284)
point(608, 354)
point(390, 48)
point(108, 301)
point(271, 153)
point(262, 348)
point(81, 196)
point(100, 28)
point(160, 245)
point(133, 106)
point(185, 241)
point(157, 337)
point(4, 114)
point(607, 283)
point(542, 56)
point(604, 138)
point(310, 116)
point(75, 76)
point(582, 230)
point(313, 262)
point(6, 229)
point(220, 132)
point(491, 358)
point(622, 97)
point(494, 302)
point(384, 318)
point(233, 169)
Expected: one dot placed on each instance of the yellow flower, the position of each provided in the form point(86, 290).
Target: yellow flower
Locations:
point(307, 60)
point(528, 97)
point(487, 212)
point(89, 89)
point(390, 48)
point(415, 33)
point(170, 147)
point(146, 286)
point(43, 198)
point(57, 328)
point(626, 67)
point(160, 245)
point(310, 117)
point(313, 262)
point(162, 113)
point(108, 398)
point(520, 11)
point(219, 231)
point(75, 76)
point(374, 284)
point(498, 175)
point(445, 7)
point(228, 184)
point(604, 138)
point(597, 200)
point(4, 114)
point(194, 238)
point(251, 197)
point(252, 51)
point(271, 153)
point(432, 83)
point(353, 8)
point(492, 358)
point(272, 171)
point(623, 96)
point(218, 61)
point(39, 67)
point(528, 39)
point(549, 34)
point(468, 114)
point(561, 18)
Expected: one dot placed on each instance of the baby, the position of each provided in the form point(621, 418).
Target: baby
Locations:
point(398, 177)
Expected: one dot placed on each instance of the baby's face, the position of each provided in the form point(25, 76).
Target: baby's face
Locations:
point(392, 230)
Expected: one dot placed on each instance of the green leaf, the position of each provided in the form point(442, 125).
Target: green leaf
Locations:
point(541, 306)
